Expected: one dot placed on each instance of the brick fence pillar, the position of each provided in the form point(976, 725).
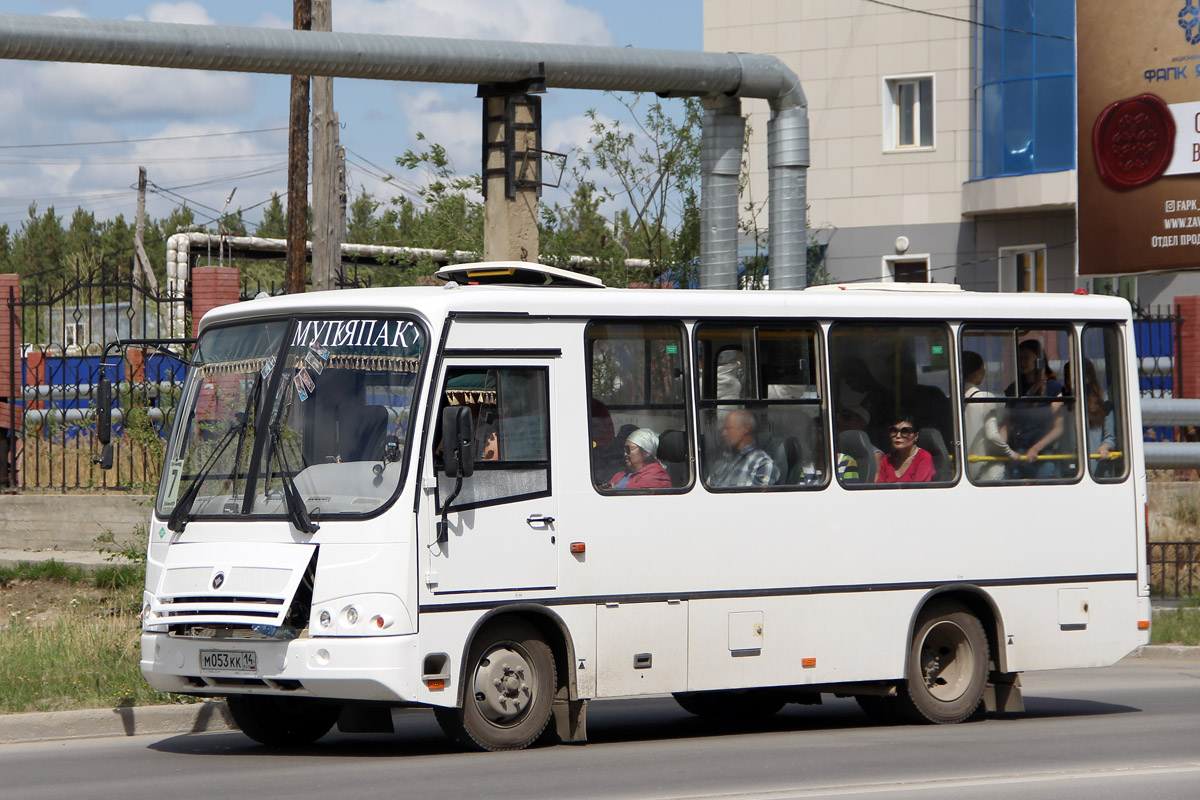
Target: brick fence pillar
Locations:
point(10, 379)
point(212, 287)
point(1186, 381)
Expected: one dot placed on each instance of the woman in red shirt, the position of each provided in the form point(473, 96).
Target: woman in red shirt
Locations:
point(642, 469)
point(906, 463)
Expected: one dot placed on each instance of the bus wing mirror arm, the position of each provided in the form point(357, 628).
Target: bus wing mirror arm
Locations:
point(104, 420)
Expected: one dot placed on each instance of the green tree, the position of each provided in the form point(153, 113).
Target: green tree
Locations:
point(274, 220)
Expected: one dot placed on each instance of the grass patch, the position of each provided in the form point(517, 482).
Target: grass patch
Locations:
point(85, 654)
point(1177, 625)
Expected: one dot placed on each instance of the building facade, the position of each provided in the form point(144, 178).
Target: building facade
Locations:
point(942, 138)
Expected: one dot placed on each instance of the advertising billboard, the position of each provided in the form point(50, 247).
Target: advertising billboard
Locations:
point(1138, 104)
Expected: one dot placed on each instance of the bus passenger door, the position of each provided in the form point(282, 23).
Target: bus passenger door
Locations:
point(501, 531)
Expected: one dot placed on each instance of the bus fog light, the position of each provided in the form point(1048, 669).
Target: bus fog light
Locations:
point(326, 619)
point(351, 616)
point(382, 621)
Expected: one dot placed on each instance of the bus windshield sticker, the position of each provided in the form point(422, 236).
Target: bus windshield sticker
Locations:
point(171, 492)
point(300, 390)
point(266, 370)
point(308, 381)
point(314, 363)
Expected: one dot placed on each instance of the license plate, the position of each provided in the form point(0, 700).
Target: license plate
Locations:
point(228, 661)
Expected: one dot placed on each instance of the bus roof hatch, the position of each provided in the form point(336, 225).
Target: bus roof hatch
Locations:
point(516, 273)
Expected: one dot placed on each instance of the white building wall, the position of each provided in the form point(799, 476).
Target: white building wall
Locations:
point(842, 50)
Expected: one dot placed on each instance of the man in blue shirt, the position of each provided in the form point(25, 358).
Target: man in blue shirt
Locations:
point(746, 464)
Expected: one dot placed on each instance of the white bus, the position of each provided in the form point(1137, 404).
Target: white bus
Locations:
point(520, 491)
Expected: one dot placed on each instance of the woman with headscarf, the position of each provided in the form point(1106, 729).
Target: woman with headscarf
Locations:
point(642, 469)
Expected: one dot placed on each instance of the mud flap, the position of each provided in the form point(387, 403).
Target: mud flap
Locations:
point(570, 721)
point(1003, 693)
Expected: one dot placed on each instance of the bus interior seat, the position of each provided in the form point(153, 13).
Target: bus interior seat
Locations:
point(931, 439)
point(793, 454)
point(673, 452)
point(857, 445)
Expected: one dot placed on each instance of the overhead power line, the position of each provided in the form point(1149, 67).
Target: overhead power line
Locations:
point(147, 139)
point(977, 23)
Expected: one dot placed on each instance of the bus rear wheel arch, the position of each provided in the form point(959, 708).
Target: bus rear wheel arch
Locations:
point(510, 684)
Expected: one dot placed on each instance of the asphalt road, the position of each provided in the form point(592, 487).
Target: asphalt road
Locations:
point(1132, 730)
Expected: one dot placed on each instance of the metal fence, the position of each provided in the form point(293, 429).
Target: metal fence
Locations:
point(1174, 569)
point(63, 328)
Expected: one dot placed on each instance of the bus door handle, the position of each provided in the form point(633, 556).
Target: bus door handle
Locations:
point(540, 521)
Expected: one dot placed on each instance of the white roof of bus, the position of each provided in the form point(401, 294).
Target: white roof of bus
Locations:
point(823, 302)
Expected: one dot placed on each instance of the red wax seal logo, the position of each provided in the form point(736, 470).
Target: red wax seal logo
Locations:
point(1133, 141)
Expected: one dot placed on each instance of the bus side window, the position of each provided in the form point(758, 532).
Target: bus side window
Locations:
point(1103, 403)
point(510, 409)
point(761, 420)
point(891, 402)
point(637, 383)
point(1019, 408)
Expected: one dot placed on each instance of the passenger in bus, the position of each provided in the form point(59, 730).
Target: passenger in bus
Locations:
point(906, 463)
point(1034, 428)
point(984, 424)
point(642, 469)
point(1101, 421)
point(745, 464)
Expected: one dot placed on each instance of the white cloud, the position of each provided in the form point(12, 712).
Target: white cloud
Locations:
point(513, 20)
point(110, 91)
point(186, 13)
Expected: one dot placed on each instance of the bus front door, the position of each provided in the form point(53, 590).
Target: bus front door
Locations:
point(500, 531)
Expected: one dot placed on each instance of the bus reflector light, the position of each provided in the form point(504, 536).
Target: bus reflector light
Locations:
point(808, 662)
point(1143, 624)
point(435, 684)
point(382, 621)
point(578, 547)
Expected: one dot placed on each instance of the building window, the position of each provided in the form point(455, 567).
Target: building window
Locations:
point(908, 112)
point(1023, 269)
point(909, 269)
point(1024, 87)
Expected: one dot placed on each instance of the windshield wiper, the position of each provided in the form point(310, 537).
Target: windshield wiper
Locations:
point(179, 516)
point(297, 510)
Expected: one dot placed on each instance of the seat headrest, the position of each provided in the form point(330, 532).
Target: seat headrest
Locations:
point(673, 446)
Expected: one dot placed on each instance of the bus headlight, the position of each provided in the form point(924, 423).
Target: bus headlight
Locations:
point(362, 615)
point(148, 616)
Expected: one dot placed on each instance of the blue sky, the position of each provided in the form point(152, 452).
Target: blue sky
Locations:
point(50, 103)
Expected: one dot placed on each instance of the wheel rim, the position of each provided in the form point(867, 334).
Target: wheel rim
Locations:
point(947, 661)
point(505, 685)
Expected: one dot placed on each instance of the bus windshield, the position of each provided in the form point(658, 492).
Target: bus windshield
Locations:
point(300, 418)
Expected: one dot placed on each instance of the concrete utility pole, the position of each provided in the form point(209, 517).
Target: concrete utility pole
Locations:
point(328, 231)
point(512, 169)
point(297, 232)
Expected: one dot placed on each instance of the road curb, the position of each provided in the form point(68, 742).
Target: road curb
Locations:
point(96, 722)
point(1169, 652)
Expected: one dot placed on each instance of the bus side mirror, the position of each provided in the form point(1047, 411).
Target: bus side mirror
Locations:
point(458, 441)
point(104, 420)
point(104, 410)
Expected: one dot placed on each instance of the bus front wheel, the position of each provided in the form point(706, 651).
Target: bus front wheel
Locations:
point(282, 721)
point(947, 665)
point(510, 690)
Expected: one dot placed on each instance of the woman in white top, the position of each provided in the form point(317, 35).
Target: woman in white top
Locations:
point(983, 424)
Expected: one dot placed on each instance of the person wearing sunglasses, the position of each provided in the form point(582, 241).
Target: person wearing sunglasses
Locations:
point(906, 463)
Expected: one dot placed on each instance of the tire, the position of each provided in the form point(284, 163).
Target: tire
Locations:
point(509, 692)
point(947, 665)
point(282, 721)
point(730, 707)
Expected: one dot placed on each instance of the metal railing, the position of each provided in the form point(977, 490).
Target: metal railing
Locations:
point(1174, 569)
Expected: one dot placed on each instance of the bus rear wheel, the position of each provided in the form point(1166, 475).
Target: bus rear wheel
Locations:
point(731, 707)
point(282, 721)
point(947, 665)
point(509, 693)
